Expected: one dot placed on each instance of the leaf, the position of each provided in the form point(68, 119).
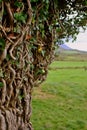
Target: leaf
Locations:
point(1, 73)
point(21, 97)
point(43, 52)
point(8, 57)
point(40, 71)
point(39, 49)
point(2, 44)
point(11, 36)
point(21, 17)
point(28, 37)
point(1, 85)
point(0, 0)
point(18, 4)
point(31, 67)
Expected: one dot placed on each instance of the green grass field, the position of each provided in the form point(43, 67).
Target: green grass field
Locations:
point(68, 64)
point(60, 103)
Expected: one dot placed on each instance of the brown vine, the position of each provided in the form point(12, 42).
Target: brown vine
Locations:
point(16, 88)
point(22, 64)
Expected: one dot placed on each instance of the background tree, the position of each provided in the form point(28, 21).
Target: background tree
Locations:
point(26, 49)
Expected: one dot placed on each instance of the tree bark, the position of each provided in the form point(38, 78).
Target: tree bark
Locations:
point(23, 62)
point(16, 80)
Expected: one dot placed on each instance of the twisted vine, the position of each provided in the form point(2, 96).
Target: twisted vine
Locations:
point(15, 83)
point(23, 63)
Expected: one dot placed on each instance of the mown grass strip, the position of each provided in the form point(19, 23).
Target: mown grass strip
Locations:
point(61, 101)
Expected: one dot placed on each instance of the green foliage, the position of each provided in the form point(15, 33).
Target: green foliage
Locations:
point(2, 44)
point(40, 71)
point(65, 17)
point(20, 17)
point(1, 84)
point(21, 97)
point(18, 4)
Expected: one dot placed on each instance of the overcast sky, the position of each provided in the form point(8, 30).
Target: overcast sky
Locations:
point(80, 43)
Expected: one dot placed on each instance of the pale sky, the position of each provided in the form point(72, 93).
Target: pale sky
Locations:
point(80, 43)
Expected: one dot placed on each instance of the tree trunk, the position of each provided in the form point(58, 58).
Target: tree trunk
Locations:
point(23, 63)
point(16, 80)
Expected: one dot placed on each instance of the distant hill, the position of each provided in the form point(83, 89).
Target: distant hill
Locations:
point(63, 46)
point(63, 52)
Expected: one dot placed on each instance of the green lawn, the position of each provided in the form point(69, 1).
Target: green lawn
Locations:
point(68, 64)
point(60, 103)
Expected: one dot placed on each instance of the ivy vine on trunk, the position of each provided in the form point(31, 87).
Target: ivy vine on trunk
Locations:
point(23, 63)
point(16, 79)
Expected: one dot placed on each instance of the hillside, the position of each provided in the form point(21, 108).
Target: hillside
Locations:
point(66, 53)
point(65, 47)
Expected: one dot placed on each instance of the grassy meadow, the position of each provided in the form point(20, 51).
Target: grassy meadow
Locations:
point(60, 103)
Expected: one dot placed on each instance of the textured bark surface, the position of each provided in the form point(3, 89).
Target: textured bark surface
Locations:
point(15, 74)
point(10, 120)
point(23, 63)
